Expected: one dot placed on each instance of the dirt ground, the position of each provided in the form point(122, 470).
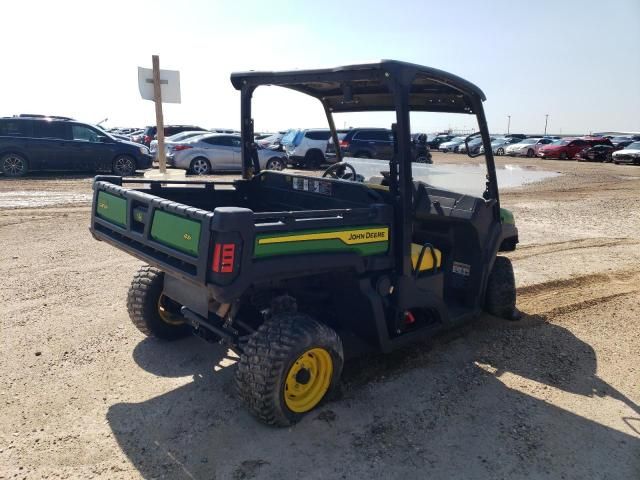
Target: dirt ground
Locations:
point(556, 395)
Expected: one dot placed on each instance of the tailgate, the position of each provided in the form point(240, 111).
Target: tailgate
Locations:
point(169, 235)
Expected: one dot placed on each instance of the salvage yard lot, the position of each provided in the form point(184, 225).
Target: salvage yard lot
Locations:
point(555, 395)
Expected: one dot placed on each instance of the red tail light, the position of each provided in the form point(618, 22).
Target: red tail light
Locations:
point(224, 255)
point(344, 144)
point(147, 139)
point(177, 148)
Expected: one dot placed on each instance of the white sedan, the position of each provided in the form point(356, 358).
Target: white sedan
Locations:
point(631, 154)
point(219, 152)
point(527, 147)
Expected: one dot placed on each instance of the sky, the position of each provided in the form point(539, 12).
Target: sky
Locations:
point(577, 61)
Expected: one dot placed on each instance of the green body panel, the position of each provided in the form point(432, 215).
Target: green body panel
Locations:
point(176, 232)
point(112, 209)
point(326, 245)
point(506, 216)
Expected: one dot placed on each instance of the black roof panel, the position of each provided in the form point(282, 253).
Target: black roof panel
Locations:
point(364, 87)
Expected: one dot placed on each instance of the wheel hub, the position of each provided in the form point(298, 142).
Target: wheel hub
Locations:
point(308, 380)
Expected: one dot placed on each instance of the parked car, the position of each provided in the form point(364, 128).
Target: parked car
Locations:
point(377, 143)
point(272, 141)
point(569, 147)
point(596, 153)
point(434, 144)
point(621, 141)
point(306, 148)
point(499, 144)
point(178, 137)
point(219, 152)
point(32, 143)
point(169, 130)
point(630, 154)
point(475, 146)
point(527, 147)
point(452, 145)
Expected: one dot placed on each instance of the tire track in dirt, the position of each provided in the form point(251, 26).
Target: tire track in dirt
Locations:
point(528, 251)
point(559, 297)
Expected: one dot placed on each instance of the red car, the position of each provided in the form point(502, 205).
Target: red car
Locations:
point(569, 147)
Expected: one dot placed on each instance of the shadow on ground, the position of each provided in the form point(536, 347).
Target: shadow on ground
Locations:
point(445, 414)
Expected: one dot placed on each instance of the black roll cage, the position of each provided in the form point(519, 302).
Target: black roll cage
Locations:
point(385, 86)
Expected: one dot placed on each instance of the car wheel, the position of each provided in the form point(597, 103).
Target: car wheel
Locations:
point(563, 156)
point(313, 159)
point(200, 166)
point(500, 297)
point(275, 163)
point(530, 153)
point(608, 158)
point(500, 151)
point(124, 166)
point(14, 165)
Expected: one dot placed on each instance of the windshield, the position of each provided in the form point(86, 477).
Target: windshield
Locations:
point(633, 146)
point(529, 141)
point(561, 142)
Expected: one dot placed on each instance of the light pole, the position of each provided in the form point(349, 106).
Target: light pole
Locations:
point(546, 119)
point(508, 123)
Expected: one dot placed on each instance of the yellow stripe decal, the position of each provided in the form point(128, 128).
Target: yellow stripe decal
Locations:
point(349, 237)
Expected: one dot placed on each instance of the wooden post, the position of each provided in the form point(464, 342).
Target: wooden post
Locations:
point(157, 99)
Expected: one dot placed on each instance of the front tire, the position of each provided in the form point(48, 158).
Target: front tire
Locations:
point(530, 153)
point(500, 151)
point(500, 299)
point(124, 166)
point(14, 165)
point(276, 163)
point(151, 312)
point(288, 367)
point(313, 159)
point(564, 156)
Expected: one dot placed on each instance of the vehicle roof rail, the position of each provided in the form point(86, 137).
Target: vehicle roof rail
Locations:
point(37, 115)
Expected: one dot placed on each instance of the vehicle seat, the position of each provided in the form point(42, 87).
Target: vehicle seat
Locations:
point(427, 258)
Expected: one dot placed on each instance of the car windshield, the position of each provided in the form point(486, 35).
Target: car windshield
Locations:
point(498, 140)
point(528, 141)
point(633, 146)
point(561, 142)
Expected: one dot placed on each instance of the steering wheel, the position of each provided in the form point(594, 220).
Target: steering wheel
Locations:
point(339, 171)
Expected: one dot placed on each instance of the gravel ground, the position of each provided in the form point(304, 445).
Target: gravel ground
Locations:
point(556, 395)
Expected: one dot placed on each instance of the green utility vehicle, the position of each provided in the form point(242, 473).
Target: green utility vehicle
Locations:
point(294, 271)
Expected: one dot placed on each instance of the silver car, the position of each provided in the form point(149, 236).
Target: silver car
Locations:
point(219, 152)
point(178, 137)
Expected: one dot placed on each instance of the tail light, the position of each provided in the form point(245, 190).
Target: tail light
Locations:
point(178, 148)
point(344, 144)
point(224, 255)
point(147, 139)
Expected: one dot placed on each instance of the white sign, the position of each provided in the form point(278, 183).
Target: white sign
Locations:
point(169, 84)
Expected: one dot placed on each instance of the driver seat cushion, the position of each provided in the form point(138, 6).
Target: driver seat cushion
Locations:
point(427, 259)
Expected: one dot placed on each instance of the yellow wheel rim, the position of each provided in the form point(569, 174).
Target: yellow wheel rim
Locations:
point(166, 316)
point(308, 380)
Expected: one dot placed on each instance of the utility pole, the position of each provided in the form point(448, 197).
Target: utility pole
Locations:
point(546, 120)
point(508, 123)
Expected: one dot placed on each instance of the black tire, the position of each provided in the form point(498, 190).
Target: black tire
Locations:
point(200, 166)
point(500, 151)
point(500, 299)
point(276, 163)
point(530, 153)
point(313, 159)
point(151, 312)
point(564, 156)
point(271, 354)
point(14, 165)
point(123, 166)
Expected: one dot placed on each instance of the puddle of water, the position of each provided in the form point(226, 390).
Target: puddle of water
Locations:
point(468, 179)
point(26, 199)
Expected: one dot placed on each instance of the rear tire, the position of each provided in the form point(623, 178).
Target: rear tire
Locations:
point(288, 367)
point(564, 156)
point(500, 298)
point(151, 312)
point(123, 166)
point(313, 159)
point(14, 165)
point(200, 166)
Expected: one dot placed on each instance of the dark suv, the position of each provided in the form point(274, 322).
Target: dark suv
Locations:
point(150, 132)
point(37, 142)
point(378, 143)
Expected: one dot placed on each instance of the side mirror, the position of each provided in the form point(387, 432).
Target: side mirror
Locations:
point(466, 144)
